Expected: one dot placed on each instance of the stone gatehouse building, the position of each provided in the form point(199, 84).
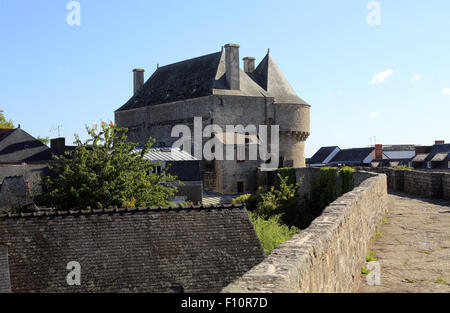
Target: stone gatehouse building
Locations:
point(214, 88)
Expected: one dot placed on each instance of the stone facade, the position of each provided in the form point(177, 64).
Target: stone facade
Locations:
point(327, 256)
point(177, 93)
point(421, 183)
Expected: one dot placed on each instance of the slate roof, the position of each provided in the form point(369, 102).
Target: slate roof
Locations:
point(420, 157)
point(206, 75)
point(167, 154)
point(194, 249)
point(320, 156)
point(438, 149)
point(352, 156)
point(18, 146)
point(269, 76)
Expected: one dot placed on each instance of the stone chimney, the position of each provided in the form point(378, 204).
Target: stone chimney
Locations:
point(138, 79)
point(439, 142)
point(249, 65)
point(58, 145)
point(232, 66)
point(379, 152)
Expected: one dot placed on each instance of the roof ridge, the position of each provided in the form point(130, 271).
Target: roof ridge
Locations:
point(56, 213)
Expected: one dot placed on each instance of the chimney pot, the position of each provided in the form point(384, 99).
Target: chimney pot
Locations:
point(249, 65)
point(232, 66)
point(138, 79)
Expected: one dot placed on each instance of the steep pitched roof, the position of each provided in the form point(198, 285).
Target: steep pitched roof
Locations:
point(206, 75)
point(194, 249)
point(269, 76)
point(320, 156)
point(19, 146)
point(438, 149)
point(352, 156)
point(179, 81)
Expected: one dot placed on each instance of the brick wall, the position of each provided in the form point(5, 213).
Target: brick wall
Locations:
point(328, 255)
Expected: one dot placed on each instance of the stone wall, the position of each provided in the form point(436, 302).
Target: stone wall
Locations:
point(5, 284)
point(328, 255)
point(421, 183)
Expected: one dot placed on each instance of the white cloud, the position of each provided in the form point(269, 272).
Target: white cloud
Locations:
point(416, 77)
point(381, 77)
point(446, 91)
point(373, 115)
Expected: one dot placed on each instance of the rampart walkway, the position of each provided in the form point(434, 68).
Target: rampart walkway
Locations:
point(413, 246)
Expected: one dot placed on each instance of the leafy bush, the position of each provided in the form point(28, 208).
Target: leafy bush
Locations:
point(106, 172)
point(272, 232)
point(403, 167)
point(348, 183)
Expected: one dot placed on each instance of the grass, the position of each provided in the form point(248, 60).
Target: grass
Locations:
point(411, 281)
point(385, 220)
point(378, 234)
point(365, 271)
point(441, 281)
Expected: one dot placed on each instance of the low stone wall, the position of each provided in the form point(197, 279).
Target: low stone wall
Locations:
point(421, 183)
point(446, 186)
point(328, 255)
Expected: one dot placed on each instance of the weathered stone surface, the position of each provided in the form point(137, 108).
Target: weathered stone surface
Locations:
point(414, 247)
point(327, 256)
point(421, 183)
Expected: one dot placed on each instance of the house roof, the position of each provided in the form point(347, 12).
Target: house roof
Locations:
point(352, 156)
point(320, 156)
point(420, 157)
point(439, 157)
point(392, 148)
point(195, 249)
point(438, 149)
point(206, 75)
point(164, 154)
point(19, 146)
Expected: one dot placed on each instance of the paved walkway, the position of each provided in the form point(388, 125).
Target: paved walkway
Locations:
point(414, 247)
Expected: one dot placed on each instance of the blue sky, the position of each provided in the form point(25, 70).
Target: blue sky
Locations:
point(391, 81)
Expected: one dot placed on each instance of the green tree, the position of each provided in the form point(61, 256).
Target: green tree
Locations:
point(4, 123)
point(105, 171)
point(45, 140)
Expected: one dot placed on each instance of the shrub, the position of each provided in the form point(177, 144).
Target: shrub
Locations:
point(348, 183)
point(403, 167)
point(271, 232)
